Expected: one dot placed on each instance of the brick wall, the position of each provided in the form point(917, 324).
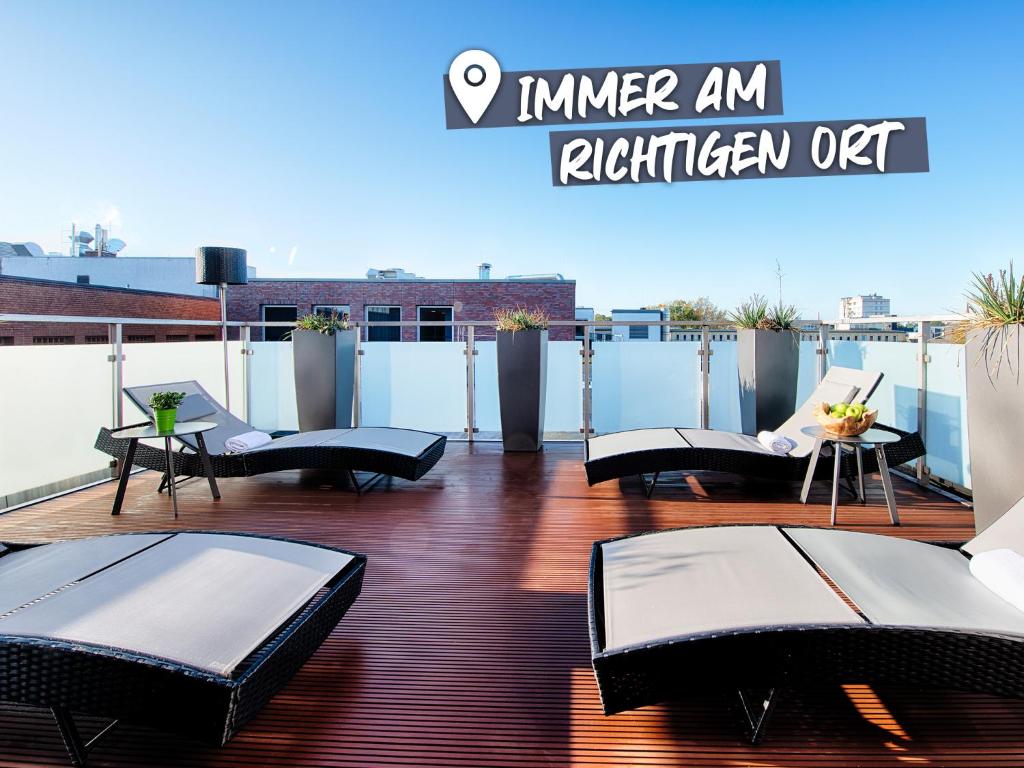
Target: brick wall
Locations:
point(471, 299)
point(29, 296)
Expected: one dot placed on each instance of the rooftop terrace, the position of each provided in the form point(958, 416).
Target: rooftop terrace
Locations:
point(469, 643)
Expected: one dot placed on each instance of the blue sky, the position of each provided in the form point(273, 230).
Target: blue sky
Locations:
point(312, 134)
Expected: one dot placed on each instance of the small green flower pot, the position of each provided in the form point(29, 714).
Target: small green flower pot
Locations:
point(165, 419)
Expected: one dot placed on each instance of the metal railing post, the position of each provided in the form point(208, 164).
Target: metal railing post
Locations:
point(470, 353)
point(822, 350)
point(224, 340)
point(705, 379)
point(247, 352)
point(357, 394)
point(115, 334)
point(586, 371)
point(923, 358)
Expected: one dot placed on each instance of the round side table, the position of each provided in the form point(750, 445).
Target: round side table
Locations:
point(873, 438)
point(181, 429)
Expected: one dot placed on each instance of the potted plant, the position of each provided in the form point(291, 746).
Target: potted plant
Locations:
point(522, 337)
point(991, 329)
point(324, 351)
point(768, 357)
point(165, 409)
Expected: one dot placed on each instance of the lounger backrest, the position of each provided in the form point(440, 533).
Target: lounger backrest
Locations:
point(840, 385)
point(228, 425)
point(1007, 532)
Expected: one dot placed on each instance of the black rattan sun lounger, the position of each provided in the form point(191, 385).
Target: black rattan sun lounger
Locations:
point(381, 451)
point(190, 633)
point(744, 608)
point(652, 452)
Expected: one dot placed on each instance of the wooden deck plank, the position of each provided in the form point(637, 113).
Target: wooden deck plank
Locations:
point(468, 646)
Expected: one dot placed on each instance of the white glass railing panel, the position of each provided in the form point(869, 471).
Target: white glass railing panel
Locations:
point(168, 362)
point(641, 384)
point(724, 387)
point(896, 395)
point(946, 414)
point(273, 404)
point(563, 406)
point(414, 386)
point(53, 401)
point(807, 378)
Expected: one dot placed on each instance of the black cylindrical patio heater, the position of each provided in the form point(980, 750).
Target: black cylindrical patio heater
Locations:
point(222, 266)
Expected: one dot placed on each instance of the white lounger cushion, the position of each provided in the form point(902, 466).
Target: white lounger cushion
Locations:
point(205, 600)
point(406, 442)
point(633, 440)
point(1002, 572)
point(907, 583)
point(728, 441)
point(31, 573)
point(700, 580)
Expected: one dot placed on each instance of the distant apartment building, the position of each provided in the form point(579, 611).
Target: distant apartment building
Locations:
point(651, 332)
point(164, 274)
point(864, 305)
point(32, 296)
point(396, 295)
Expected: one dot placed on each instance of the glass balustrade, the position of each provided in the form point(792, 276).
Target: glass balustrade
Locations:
point(54, 399)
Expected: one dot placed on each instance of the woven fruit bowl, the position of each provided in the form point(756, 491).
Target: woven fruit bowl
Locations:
point(851, 425)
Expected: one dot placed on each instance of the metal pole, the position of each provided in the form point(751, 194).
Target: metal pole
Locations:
point(357, 380)
point(822, 351)
point(923, 358)
point(247, 352)
point(587, 372)
point(705, 380)
point(116, 357)
point(470, 352)
point(224, 337)
point(115, 332)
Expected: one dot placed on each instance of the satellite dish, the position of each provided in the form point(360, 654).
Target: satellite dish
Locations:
point(115, 246)
point(83, 237)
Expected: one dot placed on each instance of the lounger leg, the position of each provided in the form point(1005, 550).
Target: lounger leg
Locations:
point(757, 711)
point(163, 483)
point(362, 488)
point(837, 464)
point(810, 471)
point(168, 448)
point(122, 481)
point(78, 750)
point(649, 486)
point(890, 498)
point(860, 474)
point(207, 465)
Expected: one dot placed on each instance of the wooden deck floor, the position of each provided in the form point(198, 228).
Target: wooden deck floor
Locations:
point(468, 646)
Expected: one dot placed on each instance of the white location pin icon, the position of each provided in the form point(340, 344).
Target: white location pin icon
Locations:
point(474, 77)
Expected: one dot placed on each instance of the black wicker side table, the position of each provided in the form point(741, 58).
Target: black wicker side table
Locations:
point(875, 438)
point(181, 429)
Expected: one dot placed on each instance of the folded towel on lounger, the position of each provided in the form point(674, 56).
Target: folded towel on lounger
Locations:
point(775, 442)
point(247, 441)
point(1002, 571)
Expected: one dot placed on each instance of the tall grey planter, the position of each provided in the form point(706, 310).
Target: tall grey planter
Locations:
point(324, 374)
point(522, 387)
point(768, 365)
point(995, 424)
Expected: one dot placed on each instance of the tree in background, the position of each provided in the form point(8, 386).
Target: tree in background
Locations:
point(695, 310)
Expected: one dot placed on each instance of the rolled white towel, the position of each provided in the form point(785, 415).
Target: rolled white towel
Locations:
point(1002, 571)
point(775, 442)
point(247, 441)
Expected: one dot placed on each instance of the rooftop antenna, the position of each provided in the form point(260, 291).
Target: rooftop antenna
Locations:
point(779, 274)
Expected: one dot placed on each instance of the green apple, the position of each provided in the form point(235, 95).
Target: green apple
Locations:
point(839, 410)
point(855, 411)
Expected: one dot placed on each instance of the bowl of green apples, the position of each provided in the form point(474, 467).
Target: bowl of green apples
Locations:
point(846, 419)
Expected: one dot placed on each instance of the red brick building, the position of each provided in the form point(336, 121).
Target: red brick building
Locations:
point(30, 296)
point(405, 298)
